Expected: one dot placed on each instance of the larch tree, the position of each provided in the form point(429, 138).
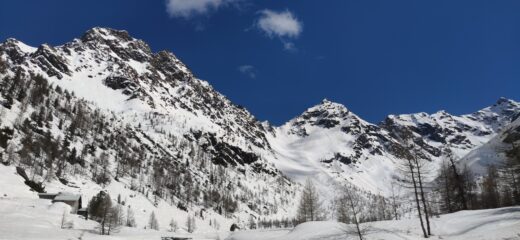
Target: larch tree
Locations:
point(130, 218)
point(458, 181)
point(350, 206)
point(409, 170)
point(309, 208)
point(190, 224)
point(173, 225)
point(490, 189)
point(152, 222)
point(420, 167)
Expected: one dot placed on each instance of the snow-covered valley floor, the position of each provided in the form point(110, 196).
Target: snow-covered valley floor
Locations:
point(24, 216)
point(493, 224)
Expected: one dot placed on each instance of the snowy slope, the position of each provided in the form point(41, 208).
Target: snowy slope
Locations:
point(24, 216)
point(502, 223)
point(333, 145)
point(494, 152)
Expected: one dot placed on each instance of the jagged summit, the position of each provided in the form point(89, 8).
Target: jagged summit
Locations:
point(326, 114)
point(504, 105)
point(98, 33)
point(332, 106)
point(503, 100)
point(329, 108)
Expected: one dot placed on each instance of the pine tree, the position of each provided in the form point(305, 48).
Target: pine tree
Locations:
point(100, 207)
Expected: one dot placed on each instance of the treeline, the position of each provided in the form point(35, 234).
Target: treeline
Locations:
point(53, 134)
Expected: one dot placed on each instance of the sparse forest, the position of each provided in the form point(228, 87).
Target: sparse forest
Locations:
point(55, 135)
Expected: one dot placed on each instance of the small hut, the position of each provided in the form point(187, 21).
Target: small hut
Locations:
point(73, 200)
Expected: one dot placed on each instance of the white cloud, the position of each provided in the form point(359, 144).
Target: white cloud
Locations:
point(280, 24)
point(248, 70)
point(289, 46)
point(190, 8)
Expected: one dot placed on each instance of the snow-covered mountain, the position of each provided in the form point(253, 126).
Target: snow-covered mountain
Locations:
point(334, 144)
point(459, 133)
point(496, 151)
point(163, 131)
point(161, 126)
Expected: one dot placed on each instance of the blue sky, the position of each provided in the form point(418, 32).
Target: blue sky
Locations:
point(279, 57)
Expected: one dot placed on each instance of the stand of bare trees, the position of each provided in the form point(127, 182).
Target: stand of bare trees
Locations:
point(458, 189)
point(454, 184)
point(414, 170)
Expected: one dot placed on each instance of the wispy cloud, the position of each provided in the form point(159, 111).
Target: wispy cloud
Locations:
point(289, 46)
point(248, 70)
point(283, 25)
point(280, 24)
point(190, 8)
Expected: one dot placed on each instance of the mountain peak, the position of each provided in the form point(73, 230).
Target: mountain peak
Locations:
point(15, 43)
point(326, 104)
point(100, 33)
point(505, 101)
point(502, 105)
point(326, 114)
point(117, 41)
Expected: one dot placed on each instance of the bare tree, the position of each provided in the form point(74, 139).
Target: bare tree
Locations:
point(396, 202)
point(444, 184)
point(309, 208)
point(490, 189)
point(130, 218)
point(65, 222)
point(190, 224)
point(173, 225)
point(459, 180)
point(420, 170)
point(252, 222)
point(510, 176)
point(350, 207)
point(409, 172)
point(152, 222)
point(116, 219)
